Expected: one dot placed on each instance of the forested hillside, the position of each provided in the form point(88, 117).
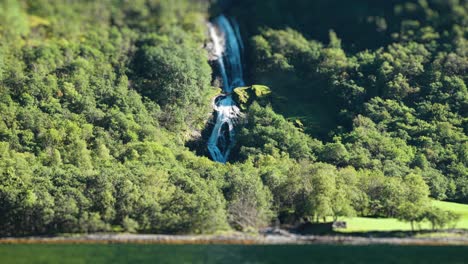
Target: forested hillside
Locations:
point(382, 83)
point(100, 99)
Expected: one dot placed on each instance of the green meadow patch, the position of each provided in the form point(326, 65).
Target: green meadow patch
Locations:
point(367, 224)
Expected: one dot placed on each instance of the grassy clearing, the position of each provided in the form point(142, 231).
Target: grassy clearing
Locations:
point(461, 209)
point(365, 224)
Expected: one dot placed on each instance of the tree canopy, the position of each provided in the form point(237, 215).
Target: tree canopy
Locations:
point(366, 114)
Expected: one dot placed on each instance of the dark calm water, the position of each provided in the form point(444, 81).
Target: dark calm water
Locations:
point(125, 253)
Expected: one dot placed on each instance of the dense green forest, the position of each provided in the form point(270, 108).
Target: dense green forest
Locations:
point(104, 108)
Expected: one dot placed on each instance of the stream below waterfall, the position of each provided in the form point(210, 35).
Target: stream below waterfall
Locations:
point(227, 48)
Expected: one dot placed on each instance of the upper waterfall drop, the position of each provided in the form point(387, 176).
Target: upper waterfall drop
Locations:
point(232, 53)
point(227, 47)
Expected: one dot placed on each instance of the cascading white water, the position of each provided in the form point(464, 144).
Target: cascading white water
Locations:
point(227, 47)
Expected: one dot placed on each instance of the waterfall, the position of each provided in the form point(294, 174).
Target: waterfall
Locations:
point(227, 47)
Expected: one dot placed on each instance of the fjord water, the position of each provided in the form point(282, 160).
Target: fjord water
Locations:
point(226, 254)
point(227, 47)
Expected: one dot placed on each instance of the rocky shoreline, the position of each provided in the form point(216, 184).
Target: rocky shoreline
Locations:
point(235, 239)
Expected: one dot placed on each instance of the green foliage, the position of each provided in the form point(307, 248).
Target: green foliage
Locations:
point(363, 113)
point(440, 218)
point(176, 77)
point(245, 96)
point(249, 200)
point(266, 132)
point(87, 90)
point(395, 97)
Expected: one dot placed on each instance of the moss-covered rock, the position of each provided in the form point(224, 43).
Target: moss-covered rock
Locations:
point(244, 96)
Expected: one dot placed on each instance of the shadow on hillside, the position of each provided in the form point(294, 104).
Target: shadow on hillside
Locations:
point(199, 144)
